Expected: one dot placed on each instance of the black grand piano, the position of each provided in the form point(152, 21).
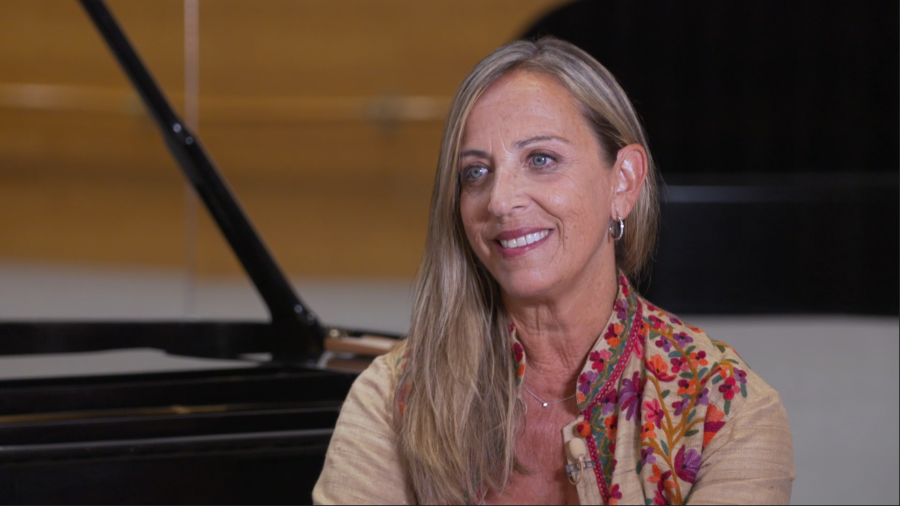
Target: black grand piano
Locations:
point(776, 242)
point(247, 435)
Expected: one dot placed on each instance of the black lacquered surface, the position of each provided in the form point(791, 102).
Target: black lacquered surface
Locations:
point(227, 436)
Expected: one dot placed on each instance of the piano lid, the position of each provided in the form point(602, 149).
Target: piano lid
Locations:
point(294, 333)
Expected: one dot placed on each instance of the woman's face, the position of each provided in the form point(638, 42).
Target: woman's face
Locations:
point(537, 195)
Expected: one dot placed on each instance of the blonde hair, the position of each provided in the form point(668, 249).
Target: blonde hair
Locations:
point(461, 407)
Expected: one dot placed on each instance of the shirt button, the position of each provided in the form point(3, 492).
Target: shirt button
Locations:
point(582, 429)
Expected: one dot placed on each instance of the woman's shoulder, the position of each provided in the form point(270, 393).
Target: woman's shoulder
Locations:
point(718, 414)
point(362, 465)
point(383, 375)
point(689, 360)
point(688, 348)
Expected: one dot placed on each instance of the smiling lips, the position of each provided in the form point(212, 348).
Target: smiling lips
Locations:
point(524, 240)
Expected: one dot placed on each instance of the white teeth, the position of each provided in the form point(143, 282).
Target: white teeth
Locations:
point(524, 240)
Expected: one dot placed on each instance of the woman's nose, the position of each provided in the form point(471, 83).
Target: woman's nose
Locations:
point(506, 193)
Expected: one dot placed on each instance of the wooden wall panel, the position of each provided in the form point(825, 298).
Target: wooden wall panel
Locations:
point(325, 115)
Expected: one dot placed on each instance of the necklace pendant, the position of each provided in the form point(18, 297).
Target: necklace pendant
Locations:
point(545, 404)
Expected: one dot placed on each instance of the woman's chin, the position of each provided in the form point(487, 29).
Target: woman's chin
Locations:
point(519, 286)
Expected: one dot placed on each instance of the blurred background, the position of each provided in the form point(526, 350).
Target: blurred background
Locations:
point(775, 128)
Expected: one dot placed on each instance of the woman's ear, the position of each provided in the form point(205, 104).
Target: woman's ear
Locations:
point(630, 171)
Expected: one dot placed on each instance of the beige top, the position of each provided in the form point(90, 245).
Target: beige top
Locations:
point(668, 416)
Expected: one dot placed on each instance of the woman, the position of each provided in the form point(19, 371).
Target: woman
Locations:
point(533, 373)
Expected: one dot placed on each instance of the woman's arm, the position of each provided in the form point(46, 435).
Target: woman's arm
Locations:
point(362, 465)
point(751, 460)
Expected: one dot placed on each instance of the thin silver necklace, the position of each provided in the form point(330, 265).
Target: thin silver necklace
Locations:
point(543, 402)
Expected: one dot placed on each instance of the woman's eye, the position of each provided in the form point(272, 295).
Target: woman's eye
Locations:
point(473, 173)
point(540, 160)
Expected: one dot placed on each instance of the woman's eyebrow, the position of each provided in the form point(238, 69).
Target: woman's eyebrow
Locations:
point(538, 138)
point(474, 152)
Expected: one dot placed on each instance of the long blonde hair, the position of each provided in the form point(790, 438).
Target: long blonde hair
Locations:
point(461, 406)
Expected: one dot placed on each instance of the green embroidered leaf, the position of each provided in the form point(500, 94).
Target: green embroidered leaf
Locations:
point(665, 447)
point(721, 348)
point(692, 432)
point(665, 393)
point(687, 375)
point(640, 465)
point(743, 389)
point(675, 354)
point(691, 416)
point(690, 349)
point(733, 361)
point(703, 372)
point(716, 379)
point(727, 407)
point(649, 501)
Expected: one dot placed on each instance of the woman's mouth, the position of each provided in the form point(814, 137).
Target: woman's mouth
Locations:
point(524, 240)
point(515, 243)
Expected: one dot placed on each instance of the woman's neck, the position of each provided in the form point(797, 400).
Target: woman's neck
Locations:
point(557, 332)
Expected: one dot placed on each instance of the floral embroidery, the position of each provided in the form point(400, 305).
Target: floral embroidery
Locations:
point(608, 402)
point(612, 424)
point(519, 354)
point(663, 483)
point(598, 384)
point(713, 424)
point(653, 413)
point(614, 495)
point(657, 365)
point(727, 389)
point(687, 464)
point(647, 457)
point(687, 387)
point(614, 332)
point(585, 381)
point(675, 388)
point(632, 392)
point(681, 405)
point(683, 339)
point(598, 359)
point(671, 430)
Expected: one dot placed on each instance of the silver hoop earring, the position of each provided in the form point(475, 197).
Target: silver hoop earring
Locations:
point(617, 228)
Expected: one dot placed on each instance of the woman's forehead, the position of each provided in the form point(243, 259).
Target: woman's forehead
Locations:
point(524, 104)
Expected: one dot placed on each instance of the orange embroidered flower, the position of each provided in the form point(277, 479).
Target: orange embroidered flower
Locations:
point(612, 425)
point(698, 358)
point(613, 334)
point(645, 329)
point(712, 424)
point(648, 431)
point(662, 478)
point(687, 387)
point(659, 368)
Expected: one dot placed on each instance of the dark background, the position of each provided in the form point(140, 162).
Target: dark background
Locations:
point(775, 128)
